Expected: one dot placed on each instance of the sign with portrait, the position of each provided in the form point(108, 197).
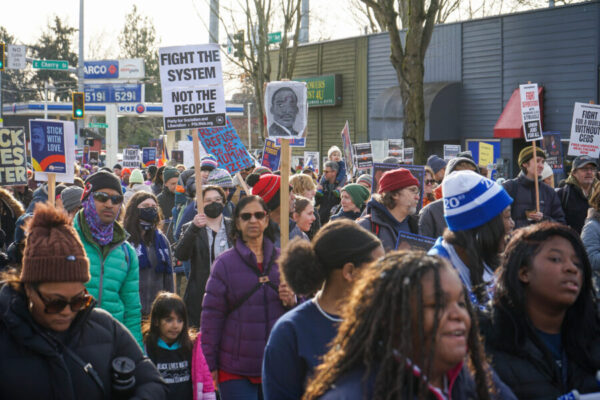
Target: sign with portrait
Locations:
point(286, 109)
point(52, 149)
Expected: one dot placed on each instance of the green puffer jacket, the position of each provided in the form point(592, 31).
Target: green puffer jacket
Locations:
point(115, 276)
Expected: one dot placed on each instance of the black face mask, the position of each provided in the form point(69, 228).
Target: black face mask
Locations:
point(213, 210)
point(149, 214)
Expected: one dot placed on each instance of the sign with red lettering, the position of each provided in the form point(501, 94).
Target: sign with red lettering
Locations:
point(225, 144)
point(530, 112)
point(585, 131)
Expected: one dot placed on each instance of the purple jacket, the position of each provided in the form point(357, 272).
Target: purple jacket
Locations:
point(234, 340)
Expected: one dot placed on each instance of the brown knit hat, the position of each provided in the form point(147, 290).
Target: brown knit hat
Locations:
point(53, 251)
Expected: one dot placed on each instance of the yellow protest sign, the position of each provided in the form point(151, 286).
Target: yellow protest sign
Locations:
point(486, 154)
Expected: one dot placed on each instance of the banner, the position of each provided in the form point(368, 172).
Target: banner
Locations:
point(177, 156)
point(364, 155)
point(271, 155)
point(148, 156)
point(347, 149)
point(131, 158)
point(553, 149)
point(311, 160)
point(585, 130)
point(530, 112)
point(13, 161)
point(52, 149)
point(192, 86)
point(396, 148)
point(410, 241)
point(451, 151)
point(225, 144)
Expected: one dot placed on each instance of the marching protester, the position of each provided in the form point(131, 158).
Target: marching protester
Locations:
point(328, 267)
point(243, 301)
point(408, 332)
point(114, 267)
point(522, 190)
point(136, 184)
point(477, 211)
point(51, 331)
point(353, 200)
point(221, 178)
point(303, 215)
point(542, 333)
point(429, 186)
point(204, 239)
point(176, 350)
point(576, 191)
point(157, 181)
point(438, 166)
point(393, 209)
point(125, 175)
point(548, 175)
point(303, 185)
point(166, 198)
point(365, 180)
point(71, 199)
point(328, 194)
point(142, 221)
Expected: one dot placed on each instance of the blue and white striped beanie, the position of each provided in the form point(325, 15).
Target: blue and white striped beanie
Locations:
point(471, 200)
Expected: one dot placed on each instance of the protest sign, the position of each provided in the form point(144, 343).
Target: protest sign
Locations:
point(585, 131)
point(188, 152)
point(295, 142)
point(297, 163)
point(364, 155)
point(94, 157)
point(486, 154)
point(451, 151)
point(54, 152)
point(13, 161)
point(192, 86)
point(148, 156)
point(311, 160)
point(409, 155)
point(271, 155)
point(378, 171)
point(286, 109)
point(225, 144)
point(530, 112)
point(131, 158)
point(177, 156)
point(396, 148)
point(553, 149)
point(347, 149)
point(410, 241)
point(85, 158)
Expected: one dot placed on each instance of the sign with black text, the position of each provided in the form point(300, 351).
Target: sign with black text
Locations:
point(451, 151)
point(396, 148)
point(225, 144)
point(364, 155)
point(530, 112)
point(131, 158)
point(585, 131)
point(13, 162)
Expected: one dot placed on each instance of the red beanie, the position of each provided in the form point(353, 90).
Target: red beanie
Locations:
point(267, 186)
point(396, 179)
point(125, 171)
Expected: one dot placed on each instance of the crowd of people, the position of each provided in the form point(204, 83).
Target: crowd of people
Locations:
point(125, 289)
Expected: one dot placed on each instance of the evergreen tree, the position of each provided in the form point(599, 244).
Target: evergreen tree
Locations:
point(14, 81)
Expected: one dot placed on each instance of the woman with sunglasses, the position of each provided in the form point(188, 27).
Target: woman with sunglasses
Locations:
point(243, 301)
point(430, 185)
point(113, 261)
point(54, 343)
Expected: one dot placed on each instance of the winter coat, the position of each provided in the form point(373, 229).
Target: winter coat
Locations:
point(379, 221)
point(10, 211)
point(114, 271)
point(35, 365)
point(194, 246)
point(341, 214)
point(166, 202)
point(524, 363)
point(326, 199)
point(590, 235)
point(233, 339)
point(522, 190)
point(431, 219)
point(574, 202)
point(201, 374)
point(137, 187)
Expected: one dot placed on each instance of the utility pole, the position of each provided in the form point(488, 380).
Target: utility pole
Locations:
point(304, 14)
point(213, 29)
point(79, 122)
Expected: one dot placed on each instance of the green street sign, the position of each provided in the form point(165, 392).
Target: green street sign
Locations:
point(98, 125)
point(51, 64)
point(324, 90)
point(274, 37)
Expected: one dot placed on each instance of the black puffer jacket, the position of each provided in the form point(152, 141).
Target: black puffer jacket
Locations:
point(524, 363)
point(35, 365)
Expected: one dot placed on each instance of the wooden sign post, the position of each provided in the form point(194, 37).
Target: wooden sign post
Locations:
point(198, 178)
point(52, 189)
point(284, 193)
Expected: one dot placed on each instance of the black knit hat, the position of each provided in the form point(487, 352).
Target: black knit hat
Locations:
point(102, 180)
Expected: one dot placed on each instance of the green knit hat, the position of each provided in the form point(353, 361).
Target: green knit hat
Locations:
point(527, 154)
point(358, 193)
point(169, 173)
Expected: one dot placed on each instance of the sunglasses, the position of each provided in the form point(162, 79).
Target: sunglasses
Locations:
point(429, 181)
point(259, 215)
point(57, 305)
point(103, 197)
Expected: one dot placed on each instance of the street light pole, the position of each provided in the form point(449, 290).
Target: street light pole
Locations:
point(79, 122)
point(249, 126)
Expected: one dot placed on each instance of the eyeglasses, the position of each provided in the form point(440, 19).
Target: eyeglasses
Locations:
point(57, 305)
point(259, 215)
point(430, 181)
point(104, 197)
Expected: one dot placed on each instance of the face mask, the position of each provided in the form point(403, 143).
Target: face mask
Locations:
point(213, 210)
point(149, 214)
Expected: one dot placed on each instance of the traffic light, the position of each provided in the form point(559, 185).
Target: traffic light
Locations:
point(2, 57)
point(238, 45)
point(78, 105)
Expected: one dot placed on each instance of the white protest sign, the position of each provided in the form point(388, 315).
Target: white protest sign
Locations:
point(16, 56)
point(192, 86)
point(530, 112)
point(188, 152)
point(451, 151)
point(311, 160)
point(131, 158)
point(585, 130)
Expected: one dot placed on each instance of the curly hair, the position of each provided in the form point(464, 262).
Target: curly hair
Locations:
point(302, 183)
point(131, 221)
point(379, 323)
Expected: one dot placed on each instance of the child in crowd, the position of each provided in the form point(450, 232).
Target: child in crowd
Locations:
point(176, 350)
point(335, 154)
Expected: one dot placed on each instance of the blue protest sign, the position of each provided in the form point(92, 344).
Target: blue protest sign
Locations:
point(271, 155)
point(47, 143)
point(148, 156)
point(225, 144)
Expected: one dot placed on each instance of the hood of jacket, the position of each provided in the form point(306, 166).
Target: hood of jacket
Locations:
point(381, 215)
point(15, 207)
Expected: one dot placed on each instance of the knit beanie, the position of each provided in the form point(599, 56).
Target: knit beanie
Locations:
point(136, 176)
point(527, 154)
point(365, 179)
point(453, 163)
point(396, 179)
point(547, 172)
point(391, 160)
point(102, 180)
point(169, 173)
point(125, 171)
point(71, 198)
point(332, 149)
point(253, 178)
point(209, 162)
point(358, 193)
point(436, 163)
point(220, 177)
point(471, 200)
point(267, 188)
point(53, 251)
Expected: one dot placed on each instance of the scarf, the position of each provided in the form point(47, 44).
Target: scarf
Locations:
point(161, 250)
point(102, 233)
